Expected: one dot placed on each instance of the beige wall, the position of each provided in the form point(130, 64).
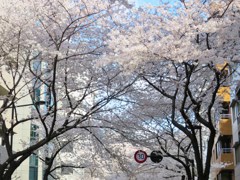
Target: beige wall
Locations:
point(22, 131)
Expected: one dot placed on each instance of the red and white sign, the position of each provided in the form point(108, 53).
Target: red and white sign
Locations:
point(140, 156)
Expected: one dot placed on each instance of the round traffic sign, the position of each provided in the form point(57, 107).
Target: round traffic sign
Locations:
point(140, 156)
point(156, 156)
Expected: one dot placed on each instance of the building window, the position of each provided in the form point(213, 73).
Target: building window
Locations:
point(225, 114)
point(33, 159)
point(226, 141)
point(225, 175)
point(48, 96)
point(37, 94)
point(33, 173)
point(37, 82)
point(223, 145)
point(33, 133)
point(225, 108)
point(33, 167)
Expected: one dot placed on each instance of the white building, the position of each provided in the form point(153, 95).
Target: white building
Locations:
point(23, 133)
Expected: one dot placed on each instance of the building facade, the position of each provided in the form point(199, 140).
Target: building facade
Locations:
point(223, 154)
point(235, 109)
point(24, 133)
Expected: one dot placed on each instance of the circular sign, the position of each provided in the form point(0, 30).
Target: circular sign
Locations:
point(156, 156)
point(140, 156)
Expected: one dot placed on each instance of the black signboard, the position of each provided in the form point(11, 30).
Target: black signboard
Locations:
point(156, 156)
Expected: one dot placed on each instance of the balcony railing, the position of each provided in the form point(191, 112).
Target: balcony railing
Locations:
point(225, 116)
point(226, 150)
point(219, 116)
point(226, 156)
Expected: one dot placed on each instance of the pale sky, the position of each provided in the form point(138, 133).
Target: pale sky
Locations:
point(142, 2)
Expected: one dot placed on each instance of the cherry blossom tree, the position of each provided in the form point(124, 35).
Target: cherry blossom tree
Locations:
point(172, 110)
point(49, 51)
point(74, 52)
point(180, 31)
point(175, 48)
